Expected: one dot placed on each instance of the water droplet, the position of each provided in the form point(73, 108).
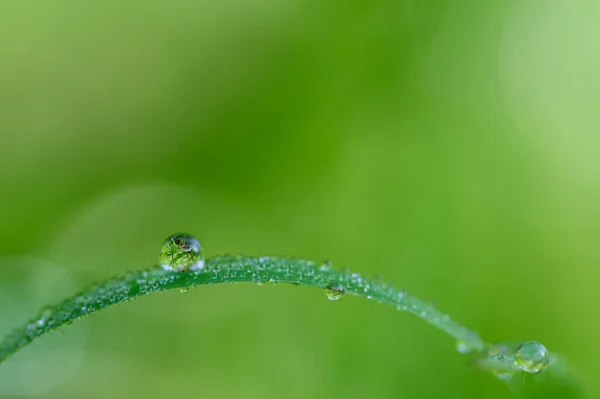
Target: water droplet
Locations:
point(334, 291)
point(532, 357)
point(47, 312)
point(180, 252)
point(462, 347)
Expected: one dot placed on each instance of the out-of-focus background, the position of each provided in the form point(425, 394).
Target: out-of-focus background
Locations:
point(451, 146)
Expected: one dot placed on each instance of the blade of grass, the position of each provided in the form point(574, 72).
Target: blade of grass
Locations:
point(233, 269)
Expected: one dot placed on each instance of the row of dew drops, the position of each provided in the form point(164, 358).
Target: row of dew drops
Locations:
point(183, 252)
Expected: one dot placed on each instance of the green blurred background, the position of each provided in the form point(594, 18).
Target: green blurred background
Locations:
point(450, 146)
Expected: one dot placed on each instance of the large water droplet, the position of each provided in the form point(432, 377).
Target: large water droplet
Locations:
point(532, 357)
point(179, 252)
point(334, 292)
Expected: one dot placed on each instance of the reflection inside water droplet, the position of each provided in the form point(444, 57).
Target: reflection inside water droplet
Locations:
point(180, 252)
point(334, 292)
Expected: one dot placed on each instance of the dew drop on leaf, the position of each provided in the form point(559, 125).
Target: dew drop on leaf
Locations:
point(180, 252)
point(462, 347)
point(532, 357)
point(334, 292)
point(47, 312)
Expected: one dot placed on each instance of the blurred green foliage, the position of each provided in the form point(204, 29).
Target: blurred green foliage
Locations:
point(450, 146)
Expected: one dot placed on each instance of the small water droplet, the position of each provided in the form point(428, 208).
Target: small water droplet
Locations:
point(532, 357)
point(334, 291)
point(47, 312)
point(462, 347)
point(180, 252)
